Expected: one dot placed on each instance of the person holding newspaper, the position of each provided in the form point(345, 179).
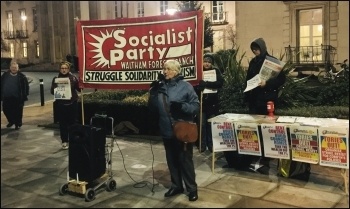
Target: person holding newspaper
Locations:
point(257, 98)
point(65, 87)
point(267, 90)
point(213, 81)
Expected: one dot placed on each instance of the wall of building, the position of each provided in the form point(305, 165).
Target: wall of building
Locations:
point(255, 20)
point(15, 6)
point(343, 31)
point(278, 28)
point(272, 20)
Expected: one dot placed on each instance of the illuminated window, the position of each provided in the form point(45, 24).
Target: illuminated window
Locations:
point(25, 49)
point(36, 44)
point(310, 33)
point(310, 27)
point(12, 50)
point(23, 20)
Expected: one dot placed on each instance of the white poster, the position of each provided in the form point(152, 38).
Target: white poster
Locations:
point(275, 140)
point(333, 146)
point(209, 75)
point(304, 144)
point(248, 139)
point(224, 138)
point(63, 89)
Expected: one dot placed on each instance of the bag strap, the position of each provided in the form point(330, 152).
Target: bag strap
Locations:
point(166, 106)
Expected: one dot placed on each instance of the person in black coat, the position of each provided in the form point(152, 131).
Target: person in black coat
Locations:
point(67, 108)
point(210, 100)
point(14, 92)
point(258, 97)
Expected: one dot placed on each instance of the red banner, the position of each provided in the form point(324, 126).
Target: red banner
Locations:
point(128, 53)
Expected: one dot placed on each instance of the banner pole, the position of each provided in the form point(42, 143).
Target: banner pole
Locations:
point(82, 107)
point(200, 122)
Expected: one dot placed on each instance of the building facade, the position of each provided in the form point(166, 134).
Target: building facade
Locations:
point(44, 31)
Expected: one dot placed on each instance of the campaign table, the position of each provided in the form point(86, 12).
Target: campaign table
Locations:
point(322, 141)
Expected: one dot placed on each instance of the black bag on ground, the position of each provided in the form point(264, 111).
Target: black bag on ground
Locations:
point(86, 154)
point(238, 161)
point(294, 169)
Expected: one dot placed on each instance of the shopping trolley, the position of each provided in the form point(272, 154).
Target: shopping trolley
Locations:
point(90, 158)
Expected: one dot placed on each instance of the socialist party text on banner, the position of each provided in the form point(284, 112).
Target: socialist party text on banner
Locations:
point(128, 53)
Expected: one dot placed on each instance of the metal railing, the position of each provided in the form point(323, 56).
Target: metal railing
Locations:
point(15, 34)
point(316, 55)
point(22, 33)
point(9, 34)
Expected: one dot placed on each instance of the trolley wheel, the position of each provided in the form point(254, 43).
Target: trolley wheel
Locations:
point(111, 185)
point(63, 189)
point(324, 77)
point(89, 195)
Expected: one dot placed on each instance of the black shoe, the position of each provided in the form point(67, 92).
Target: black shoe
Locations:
point(9, 125)
point(193, 196)
point(173, 192)
point(17, 127)
point(210, 149)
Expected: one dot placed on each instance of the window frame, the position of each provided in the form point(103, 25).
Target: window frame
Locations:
point(140, 9)
point(116, 9)
point(35, 19)
point(217, 9)
point(164, 5)
point(22, 13)
point(9, 24)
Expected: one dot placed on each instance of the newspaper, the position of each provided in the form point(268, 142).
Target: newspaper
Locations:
point(209, 75)
point(63, 89)
point(252, 83)
point(270, 69)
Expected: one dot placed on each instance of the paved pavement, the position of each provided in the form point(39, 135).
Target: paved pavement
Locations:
point(34, 168)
